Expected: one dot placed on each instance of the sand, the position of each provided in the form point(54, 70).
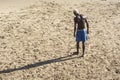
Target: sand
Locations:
point(7, 6)
point(36, 40)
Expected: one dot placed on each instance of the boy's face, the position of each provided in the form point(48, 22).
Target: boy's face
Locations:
point(75, 13)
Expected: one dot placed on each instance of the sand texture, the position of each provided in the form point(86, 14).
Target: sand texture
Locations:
point(36, 41)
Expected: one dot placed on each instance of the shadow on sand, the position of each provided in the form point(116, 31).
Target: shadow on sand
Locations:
point(40, 63)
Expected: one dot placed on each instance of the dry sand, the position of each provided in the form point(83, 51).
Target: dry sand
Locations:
point(36, 40)
point(7, 6)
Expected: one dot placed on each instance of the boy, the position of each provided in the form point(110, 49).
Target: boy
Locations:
point(79, 30)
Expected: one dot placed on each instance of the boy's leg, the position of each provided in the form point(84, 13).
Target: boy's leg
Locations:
point(83, 47)
point(77, 47)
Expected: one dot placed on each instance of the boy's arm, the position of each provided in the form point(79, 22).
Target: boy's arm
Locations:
point(74, 28)
point(87, 26)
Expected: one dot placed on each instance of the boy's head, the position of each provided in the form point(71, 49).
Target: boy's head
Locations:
point(76, 12)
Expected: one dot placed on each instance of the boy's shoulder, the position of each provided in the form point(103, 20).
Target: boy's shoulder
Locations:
point(83, 16)
point(79, 17)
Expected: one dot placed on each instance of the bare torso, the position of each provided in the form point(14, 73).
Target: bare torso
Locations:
point(79, 20)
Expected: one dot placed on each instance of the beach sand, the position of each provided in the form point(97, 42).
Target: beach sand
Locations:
point(36, 40)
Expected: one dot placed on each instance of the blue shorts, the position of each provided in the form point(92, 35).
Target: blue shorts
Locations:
point(81, 35)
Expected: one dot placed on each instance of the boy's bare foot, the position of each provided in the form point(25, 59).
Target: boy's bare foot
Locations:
point(75, 53)
point(82, 55)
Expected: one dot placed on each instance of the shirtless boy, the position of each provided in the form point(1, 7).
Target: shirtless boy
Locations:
point(79, 30)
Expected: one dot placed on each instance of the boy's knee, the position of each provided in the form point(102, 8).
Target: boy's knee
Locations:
point(77, 44)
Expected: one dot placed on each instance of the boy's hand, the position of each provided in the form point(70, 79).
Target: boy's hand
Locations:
point(74, 35)
point(87, 32)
